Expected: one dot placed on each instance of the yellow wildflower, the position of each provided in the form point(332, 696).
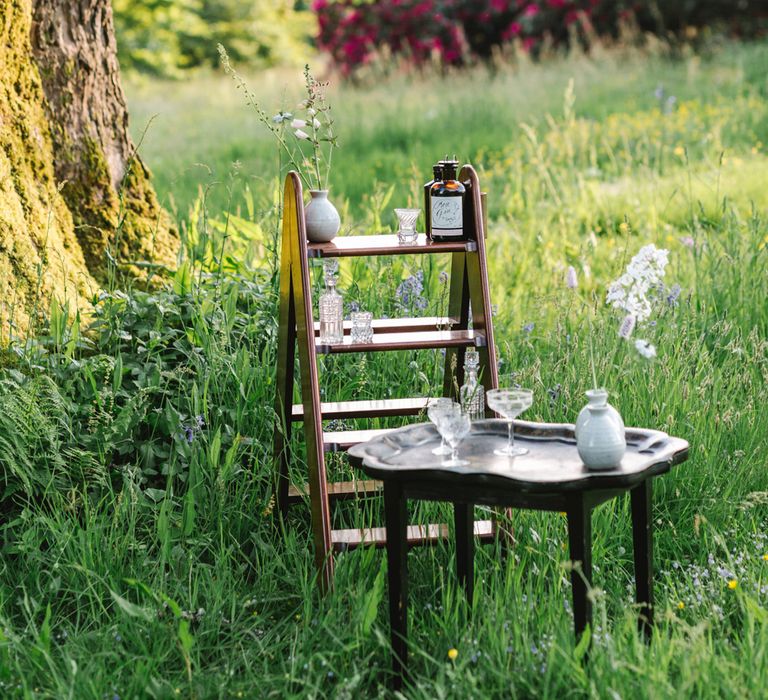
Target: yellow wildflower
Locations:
point(732, 584)
point(680, 605)
point(453, 653)
point(765, 557)
point(623, 227)
point(679, 151)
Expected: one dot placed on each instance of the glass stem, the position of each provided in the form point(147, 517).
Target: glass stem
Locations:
point(455, 453)
point(443, 444)
point(510, 436)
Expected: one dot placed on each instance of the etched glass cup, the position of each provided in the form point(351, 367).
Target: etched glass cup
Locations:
point(510, 403)
point(454, 427)
point(362, 330)
point(406, 231)
point(436, 411)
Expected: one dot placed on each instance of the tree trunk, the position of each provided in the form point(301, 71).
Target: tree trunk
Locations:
point(74, 196)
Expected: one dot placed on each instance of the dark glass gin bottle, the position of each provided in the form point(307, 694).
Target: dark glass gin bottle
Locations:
point(446, 206)
point(437, 176)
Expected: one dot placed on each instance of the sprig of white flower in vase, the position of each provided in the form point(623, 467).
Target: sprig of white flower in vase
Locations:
point(306, 137)
point(599, 427)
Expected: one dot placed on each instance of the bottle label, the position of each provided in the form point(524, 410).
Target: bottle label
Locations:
point(447, 216)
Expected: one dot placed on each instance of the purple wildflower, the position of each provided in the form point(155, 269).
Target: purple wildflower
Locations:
point(571, 280)
point(528, 327)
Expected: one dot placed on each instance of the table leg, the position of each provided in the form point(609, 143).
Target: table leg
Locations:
point(642, 539)
point(396, 519)
point(580, 544)
point(464, 521)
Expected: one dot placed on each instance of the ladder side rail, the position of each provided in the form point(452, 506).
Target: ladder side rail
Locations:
point(477, 273)
point(284, 378)
point(310, 387)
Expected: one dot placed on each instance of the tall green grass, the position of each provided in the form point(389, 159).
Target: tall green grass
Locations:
point(140, 553)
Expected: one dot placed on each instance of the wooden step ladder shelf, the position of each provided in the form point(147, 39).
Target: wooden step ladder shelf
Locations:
point(465, 325)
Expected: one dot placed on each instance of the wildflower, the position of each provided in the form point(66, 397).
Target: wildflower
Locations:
point(298, 124)
point(571, 281)
point(669, 105)
point(315, 123)
point(680, 605)
point(627, 326)
point(647, 350)
point(528, 327)
point(189, 434)
point(299, 134)
point(658, 93)
point(278, 118)
point(687, 241)
point(409, 292)
point(765, 557)
point(733, 584)
point(679, 151)
point(443, 277)
point(453, 653)
point(624, 227)
point(673, 295)
point(645, 272)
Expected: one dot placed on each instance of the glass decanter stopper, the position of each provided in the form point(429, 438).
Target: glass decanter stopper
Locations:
point(331, 307)
point(472, 393)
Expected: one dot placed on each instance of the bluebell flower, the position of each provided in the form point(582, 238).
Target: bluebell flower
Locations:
point(673, 295)
point(189, 434)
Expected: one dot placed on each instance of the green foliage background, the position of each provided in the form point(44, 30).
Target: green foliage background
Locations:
point(163, 37)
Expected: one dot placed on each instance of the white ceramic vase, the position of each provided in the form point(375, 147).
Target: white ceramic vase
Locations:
point(600, 439)
point(597, 397)
point(322, 219)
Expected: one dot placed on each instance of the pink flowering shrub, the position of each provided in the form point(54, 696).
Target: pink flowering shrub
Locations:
point(458, 31)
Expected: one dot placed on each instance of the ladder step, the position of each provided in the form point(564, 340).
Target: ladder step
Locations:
point(380, 408)
point(404, 325)
point(384, 244)
point(342, 440)
point(338, 490)
point(419, 340)
point(416, 535)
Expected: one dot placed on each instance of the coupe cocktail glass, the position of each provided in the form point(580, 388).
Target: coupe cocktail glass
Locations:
point(510, 403)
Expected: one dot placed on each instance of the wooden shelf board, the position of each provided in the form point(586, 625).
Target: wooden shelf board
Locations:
point(342, 440)
point(404, 325)
point(383, 244)
point(417, 340)
point(416, 535)
point(337, 490)
point(380, 408)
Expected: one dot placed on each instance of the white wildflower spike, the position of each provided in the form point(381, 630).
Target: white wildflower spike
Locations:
point(298, 124)
point(645, 272)
point(645, 349)
point(627, 326)
point(571, 280)
point(303, 135)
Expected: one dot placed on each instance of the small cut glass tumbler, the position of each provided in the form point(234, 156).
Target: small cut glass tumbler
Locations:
point(362, 330)
point(406, 231)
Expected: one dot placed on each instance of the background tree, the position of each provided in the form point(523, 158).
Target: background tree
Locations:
point(73, 193)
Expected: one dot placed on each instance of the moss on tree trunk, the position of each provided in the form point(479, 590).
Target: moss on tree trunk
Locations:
point(73, 193)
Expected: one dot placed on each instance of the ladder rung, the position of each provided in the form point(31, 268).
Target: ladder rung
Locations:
point(420, 340)
point(365, 409)
point(384, 244)
point(344, 439)
point(404, 325)
point(416, 535)
point(338, 490)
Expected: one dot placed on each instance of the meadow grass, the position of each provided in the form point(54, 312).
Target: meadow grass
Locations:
point(141, 557)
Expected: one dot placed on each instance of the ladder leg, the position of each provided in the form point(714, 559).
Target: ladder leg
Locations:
point(286, 360)
point(458, 307)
